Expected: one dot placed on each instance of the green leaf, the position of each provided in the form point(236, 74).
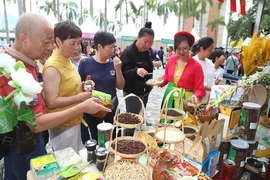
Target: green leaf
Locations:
point(19, 65)
point(26, 114)
point(7, 118)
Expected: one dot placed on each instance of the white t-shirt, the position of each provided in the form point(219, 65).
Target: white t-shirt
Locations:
point(40, 66)
point(208, 71)
point(219, 73)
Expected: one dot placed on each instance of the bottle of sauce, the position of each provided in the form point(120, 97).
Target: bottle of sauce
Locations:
point(87, 86)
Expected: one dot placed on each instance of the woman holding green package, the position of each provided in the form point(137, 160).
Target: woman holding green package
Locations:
point(183, 72)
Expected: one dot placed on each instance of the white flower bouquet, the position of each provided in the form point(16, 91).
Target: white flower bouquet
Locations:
point(260, 77)
point(14, 107)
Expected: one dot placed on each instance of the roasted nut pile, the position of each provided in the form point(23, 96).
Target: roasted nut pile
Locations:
point(171, 112)
point(126, 170)
point(128, 118)
point(129, 146)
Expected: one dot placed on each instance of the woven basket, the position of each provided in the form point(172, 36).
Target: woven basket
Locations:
point(131, 156)
point(257, 94)
point(205, 115)
point(176, 118)
point(128, 125)
point(121, 171)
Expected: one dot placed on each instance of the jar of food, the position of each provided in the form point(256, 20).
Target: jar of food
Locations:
point(250, 116)
point(251, 152)
point(237, 153)
point(91, 147)
point(224, 151)
point(263, 147)
point(101, 154)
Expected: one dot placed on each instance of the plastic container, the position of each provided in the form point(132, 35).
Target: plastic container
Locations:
point(224, 149)
point(91, 147)
point(87, 87)
point(104, 133)
point(250, 116)
point(237, 153)
point(253, 145)
point(263, 147)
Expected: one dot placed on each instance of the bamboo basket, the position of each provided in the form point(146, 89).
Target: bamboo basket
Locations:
point(111, 171)
point(117, 123)
point(131, 156)
point(120, 126)
point(164, 129)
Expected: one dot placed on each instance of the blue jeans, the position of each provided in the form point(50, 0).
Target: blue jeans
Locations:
point(17, 165)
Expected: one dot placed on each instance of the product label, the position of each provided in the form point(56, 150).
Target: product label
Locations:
point(253, 125)
point(225, 156)
point(87, 87)
point(101, 139)
point(218, 140)
point(243, 121)
point(254, 152)
point(232, 154)
point(207, 143)
point(226, 124)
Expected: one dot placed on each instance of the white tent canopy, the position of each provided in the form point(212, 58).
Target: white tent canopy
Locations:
point(89, 27)
point(128, 30)
point(194, 33)
point(52, 19)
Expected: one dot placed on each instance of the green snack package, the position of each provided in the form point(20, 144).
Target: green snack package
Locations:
point(102, 96)
point(73, 169)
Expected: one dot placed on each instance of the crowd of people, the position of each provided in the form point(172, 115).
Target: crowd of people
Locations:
point(55, 57)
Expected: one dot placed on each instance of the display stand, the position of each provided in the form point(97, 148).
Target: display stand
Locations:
point(168, 133)
point(119, 126)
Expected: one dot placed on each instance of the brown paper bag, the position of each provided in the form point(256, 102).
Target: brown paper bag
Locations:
point(201, 145)
point(215, 135)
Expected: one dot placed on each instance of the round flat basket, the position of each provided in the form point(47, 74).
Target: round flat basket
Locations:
point(151, 142)
point(190, 129)
point(257, 94)
point(172, 114)
point(154, 82)
point(130, 145)
point(172, 135)
point(127, 122)
point(126, 170)
point(176, 156)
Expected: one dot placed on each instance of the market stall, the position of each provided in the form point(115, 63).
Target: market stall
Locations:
point(225, 138)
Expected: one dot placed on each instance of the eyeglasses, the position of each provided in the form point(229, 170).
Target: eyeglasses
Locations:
point(184, 49)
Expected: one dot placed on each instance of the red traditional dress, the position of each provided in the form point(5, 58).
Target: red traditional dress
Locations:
point(191, 79)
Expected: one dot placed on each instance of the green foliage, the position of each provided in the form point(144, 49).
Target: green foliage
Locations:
point(9, 116)
point(238, 29)
point(218, 20)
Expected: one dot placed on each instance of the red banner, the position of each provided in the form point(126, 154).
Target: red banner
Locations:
point(233, 5)
point(221, 1)
point(243, 7)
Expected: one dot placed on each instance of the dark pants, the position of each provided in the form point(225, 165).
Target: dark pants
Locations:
point(134, 105)
point(162, 61)
point(45, 137)
point(17, 165)
point(229, 72)
point(94, 121)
